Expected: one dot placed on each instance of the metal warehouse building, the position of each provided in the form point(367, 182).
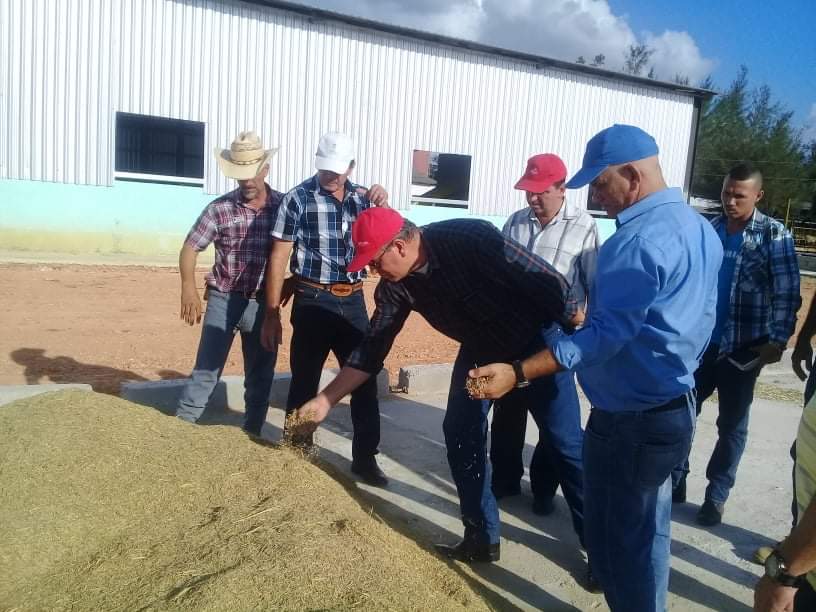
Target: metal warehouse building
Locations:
point(109, 111)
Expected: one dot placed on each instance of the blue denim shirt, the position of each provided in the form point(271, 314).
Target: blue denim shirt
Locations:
point(652, 307)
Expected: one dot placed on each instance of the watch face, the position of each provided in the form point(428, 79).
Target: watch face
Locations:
point(772, 566)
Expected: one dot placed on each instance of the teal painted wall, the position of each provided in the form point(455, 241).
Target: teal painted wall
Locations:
point(141, 219)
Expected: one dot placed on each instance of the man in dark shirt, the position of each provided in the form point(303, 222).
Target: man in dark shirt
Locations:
point(475, 286)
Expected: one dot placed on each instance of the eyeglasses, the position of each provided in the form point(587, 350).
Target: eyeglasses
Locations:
point(377, 261)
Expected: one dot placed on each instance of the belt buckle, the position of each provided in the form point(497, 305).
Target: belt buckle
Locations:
point(341, 290)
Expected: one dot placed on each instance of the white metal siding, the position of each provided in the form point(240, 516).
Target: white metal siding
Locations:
point(67, 66)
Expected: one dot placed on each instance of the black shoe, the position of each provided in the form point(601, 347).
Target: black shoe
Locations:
point(592, 584)
point(679, 493)
point(503, 490)
point(470, 551)
point(543, 506)
point(369, 472)
point(710, 514)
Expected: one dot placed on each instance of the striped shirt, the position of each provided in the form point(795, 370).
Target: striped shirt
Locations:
point(805, 470)
point(765, 286)
point(569, 242)
point(320, 226)
point(241, 238)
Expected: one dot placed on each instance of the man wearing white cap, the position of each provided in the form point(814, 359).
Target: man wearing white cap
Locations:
point(312, 235)
point(238, 224)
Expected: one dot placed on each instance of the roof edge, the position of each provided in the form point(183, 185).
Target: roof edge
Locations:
point(539, 61)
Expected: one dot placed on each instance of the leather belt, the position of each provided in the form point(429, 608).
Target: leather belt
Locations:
point(681, 401)
point(336, 289)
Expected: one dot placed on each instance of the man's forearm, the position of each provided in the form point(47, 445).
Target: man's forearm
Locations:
point(799, 548)
point(346, 381)
point(540, 364)
point(279, 256)
point(187, 264)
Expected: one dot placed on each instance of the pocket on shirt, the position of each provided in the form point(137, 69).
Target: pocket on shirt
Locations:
point(753, 273)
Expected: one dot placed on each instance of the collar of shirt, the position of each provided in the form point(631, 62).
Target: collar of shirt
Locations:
point(755, 227)
point(350, 188)
point(238, 198)
point(650, 202)
point(567, 211)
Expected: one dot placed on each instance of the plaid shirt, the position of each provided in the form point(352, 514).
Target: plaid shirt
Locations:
point(480, 288)
point(320, 226)
point(241, 237)
point(569, 242)
point(765, 287)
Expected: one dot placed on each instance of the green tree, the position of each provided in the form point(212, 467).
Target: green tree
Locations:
point(636, 59)
point(598, 60)
point(744, 124)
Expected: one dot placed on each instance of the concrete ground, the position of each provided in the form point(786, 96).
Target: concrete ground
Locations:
point(542, 566)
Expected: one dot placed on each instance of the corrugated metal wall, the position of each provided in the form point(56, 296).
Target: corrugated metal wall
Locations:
point(67, 66)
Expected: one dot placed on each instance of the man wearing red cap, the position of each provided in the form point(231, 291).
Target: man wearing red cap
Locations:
point(564, 235)
point(478, 287)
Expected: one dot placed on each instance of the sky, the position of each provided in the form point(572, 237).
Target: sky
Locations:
point(776, 39)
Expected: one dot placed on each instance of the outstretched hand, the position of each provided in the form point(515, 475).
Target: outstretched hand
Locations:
point(494, 381)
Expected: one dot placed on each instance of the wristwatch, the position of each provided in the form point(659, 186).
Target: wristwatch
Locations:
point(776, 568)
point(521, 379)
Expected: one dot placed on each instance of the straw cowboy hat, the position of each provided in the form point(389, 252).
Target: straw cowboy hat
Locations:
point(245, 157)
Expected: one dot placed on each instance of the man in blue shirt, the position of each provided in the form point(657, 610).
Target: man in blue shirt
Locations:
point(651, 311)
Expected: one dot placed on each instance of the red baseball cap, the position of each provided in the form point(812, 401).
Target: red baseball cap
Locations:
point(542, 171)
point(373, 229)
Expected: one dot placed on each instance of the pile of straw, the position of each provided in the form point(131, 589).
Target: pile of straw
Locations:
point(107, 505)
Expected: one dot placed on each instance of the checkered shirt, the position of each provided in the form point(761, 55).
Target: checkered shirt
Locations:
point(569, 242)
point(241, 238)
point(765, 287)
point(320, 226)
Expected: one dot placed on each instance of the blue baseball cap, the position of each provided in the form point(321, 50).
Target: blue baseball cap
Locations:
point(618, 144)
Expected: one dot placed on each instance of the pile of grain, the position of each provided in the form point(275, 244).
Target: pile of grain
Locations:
point(106, 505)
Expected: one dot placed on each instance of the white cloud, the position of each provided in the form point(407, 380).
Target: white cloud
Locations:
point(561, 29)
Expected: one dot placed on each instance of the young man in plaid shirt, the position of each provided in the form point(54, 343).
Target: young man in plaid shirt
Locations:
point(758, 296)
point(312, 234)
point(238, 224)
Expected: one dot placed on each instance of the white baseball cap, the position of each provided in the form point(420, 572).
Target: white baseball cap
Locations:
point(335, 152)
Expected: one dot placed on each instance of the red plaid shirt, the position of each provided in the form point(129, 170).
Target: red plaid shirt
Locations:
point(241, 237)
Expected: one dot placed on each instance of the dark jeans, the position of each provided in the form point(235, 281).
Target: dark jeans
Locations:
point(805, 600)
point(735, 389)
point(226, 313)
point(556, 411)
point(628, 460)
point(465, 429)
point(323, 322)
point(553, 402)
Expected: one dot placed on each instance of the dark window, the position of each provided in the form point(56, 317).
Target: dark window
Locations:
point(440, 179)
point(159, 146)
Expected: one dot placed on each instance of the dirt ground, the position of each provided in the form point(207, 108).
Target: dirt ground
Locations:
point(102, 325)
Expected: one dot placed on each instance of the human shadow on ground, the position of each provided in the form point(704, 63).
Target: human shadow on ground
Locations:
point(62, 369)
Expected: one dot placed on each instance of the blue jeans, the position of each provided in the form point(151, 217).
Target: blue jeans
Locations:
point(465, 429)
point(553, 402)
point(628, 460)
point(323, 322)
point(226, 313)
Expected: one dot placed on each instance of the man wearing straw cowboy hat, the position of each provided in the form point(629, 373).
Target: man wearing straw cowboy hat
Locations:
point(238, 224)
point(312, 237)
